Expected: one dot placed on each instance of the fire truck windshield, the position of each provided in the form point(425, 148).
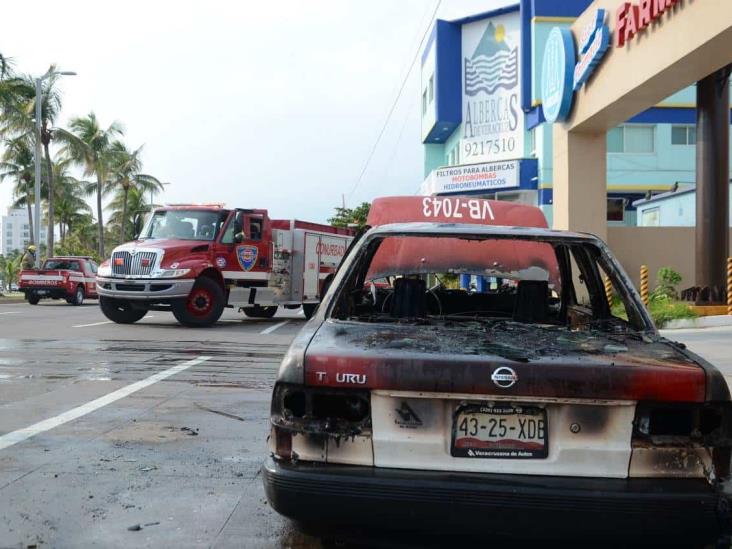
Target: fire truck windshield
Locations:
point(184, 224)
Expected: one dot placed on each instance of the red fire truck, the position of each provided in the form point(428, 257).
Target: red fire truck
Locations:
point(69, 277)
point(194, 260)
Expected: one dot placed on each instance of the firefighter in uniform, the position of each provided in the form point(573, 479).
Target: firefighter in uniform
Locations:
point(28, 261)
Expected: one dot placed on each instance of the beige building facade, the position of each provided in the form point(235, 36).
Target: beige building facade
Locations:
point(687, 41)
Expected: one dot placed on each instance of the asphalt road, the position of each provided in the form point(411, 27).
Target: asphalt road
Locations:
point(150, 435)
point(179, 457)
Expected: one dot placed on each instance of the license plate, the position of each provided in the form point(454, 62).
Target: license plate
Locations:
point(41, 292)
point(500, 431)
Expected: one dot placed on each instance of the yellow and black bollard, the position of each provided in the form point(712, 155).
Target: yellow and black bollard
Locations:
point(609, 290)
point(644, 284)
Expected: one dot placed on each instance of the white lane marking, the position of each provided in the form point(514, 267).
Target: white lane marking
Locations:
point(20, 435)
point(10, 313)
point(273, 328)
point(92, 324)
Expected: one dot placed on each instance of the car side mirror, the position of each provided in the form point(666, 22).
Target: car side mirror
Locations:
point(137, 224)
point(239, 237)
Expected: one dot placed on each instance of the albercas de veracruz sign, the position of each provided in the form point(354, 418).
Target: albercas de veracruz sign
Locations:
point(493, 122)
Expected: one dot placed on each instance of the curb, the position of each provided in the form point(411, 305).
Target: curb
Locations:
point(11, 301)
point(700, 322)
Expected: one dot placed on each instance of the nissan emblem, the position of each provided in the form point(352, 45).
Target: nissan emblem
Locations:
point(504, 377)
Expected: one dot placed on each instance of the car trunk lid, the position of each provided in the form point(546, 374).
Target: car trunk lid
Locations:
point(480, 358)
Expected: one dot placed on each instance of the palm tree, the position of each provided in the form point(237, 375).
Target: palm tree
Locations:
point(137, 204)
point(18, 122)
point(88, 144)
point(17, 163)
point(125, 175)
point(70, 203)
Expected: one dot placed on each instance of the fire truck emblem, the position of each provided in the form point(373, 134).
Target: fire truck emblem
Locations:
point(247, 256)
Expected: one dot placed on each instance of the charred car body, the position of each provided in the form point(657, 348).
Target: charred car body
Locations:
point(527, 407)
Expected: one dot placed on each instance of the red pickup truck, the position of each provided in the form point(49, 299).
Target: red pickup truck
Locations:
point(72, 278)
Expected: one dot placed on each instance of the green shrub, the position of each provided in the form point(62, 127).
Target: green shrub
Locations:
point(666, 281)
point(664, 309)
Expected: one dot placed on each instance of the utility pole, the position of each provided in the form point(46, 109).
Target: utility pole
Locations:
point(37, 195)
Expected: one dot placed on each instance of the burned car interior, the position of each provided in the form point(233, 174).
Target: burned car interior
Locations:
point(531, 281)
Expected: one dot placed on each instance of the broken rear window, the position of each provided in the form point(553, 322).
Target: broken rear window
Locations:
point(432, 278)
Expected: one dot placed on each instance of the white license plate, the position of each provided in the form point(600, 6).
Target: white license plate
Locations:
point(41, 292)
point(499, 431)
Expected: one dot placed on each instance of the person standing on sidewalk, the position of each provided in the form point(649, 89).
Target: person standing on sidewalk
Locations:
point(28, 260)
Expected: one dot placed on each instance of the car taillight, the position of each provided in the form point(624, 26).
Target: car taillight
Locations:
point(660, 421)
point(309, 409)
point(321, 424)
point(282, 442)
point(682, 440)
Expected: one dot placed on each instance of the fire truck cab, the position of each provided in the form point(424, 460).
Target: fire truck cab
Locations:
point(194, 260)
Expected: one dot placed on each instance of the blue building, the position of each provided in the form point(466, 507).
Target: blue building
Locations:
point(483, 127)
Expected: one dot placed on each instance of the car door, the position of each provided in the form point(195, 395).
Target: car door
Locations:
point(90, 278)
point(243, 249)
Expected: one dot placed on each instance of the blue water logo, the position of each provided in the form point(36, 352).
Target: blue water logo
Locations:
point(493, 64)
point(247, 256)
point(557, 74)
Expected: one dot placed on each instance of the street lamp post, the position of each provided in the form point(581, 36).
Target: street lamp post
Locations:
point(37, 197)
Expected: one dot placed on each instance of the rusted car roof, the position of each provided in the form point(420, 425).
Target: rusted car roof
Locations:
point(459, 229)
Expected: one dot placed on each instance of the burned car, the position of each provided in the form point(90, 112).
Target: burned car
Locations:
point(538, 403)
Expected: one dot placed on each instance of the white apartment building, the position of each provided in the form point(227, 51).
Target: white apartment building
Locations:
point(15, 231)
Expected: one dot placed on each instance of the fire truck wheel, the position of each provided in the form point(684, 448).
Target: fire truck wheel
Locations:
point(309, 309)
point(119, 311)
point(78, 298)
point(203, 306)
point(260, 312)
point(33, 299)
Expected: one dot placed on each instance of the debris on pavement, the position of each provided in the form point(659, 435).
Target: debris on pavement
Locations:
point(219, 412)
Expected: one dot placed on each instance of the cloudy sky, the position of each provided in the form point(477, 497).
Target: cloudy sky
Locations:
point(256, 104)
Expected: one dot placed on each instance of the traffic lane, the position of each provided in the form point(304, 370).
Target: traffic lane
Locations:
point(187, 449)
point(140, 463)
point(60, 374)
point(58, 320)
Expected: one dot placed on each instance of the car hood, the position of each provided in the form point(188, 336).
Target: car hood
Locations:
point(462, 357)
point(172, 249)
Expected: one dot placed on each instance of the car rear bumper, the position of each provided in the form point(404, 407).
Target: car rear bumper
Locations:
point(511, 505)
point(148, 289)
point(56, 292)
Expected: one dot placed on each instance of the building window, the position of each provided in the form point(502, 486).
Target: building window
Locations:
point(532, 141)
point(651, 217)
point(631, 138)
point(683, 135)
point(615, 209)
point(431, 88)
point(424, 102)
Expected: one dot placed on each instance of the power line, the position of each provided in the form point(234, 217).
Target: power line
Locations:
point(396, 101)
